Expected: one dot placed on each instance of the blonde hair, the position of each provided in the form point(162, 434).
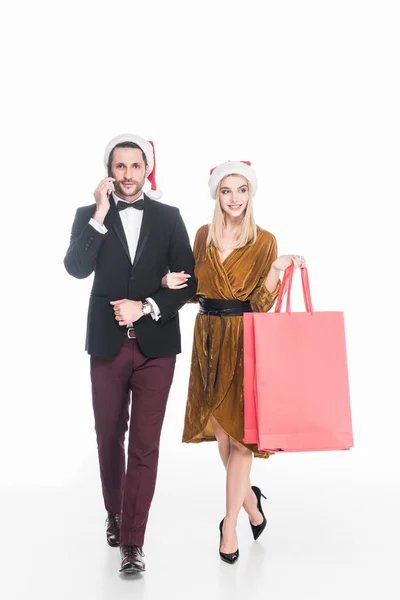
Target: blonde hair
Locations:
point(248, 230)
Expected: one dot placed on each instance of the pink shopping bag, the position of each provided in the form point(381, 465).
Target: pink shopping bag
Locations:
point(296, 390)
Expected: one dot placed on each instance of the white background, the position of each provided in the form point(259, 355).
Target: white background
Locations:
point(309, 92)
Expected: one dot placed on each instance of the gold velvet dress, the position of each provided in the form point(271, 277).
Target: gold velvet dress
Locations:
point(240, 276)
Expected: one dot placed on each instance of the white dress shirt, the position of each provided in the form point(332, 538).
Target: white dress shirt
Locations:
point(131, 222)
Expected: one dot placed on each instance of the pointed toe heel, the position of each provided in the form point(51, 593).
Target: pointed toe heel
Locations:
point(258, 529)
point(228, 558)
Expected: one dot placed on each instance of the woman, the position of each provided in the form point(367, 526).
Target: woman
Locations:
point(237, 271)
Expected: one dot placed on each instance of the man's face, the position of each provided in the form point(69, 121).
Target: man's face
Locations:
point(130, 172)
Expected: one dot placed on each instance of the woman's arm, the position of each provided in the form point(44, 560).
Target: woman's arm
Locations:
point(272, 279)
point(267, 289)
point(176, 281)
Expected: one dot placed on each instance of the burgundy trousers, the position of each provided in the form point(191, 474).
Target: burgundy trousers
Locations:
point(128, 490)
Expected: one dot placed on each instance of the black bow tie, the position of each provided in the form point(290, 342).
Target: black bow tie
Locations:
point(139, 204)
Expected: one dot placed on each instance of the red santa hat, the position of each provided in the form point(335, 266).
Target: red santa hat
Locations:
point(148, 149)
point(238, 167)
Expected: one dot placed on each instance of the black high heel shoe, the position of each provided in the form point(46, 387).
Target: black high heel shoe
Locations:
point(228, 558)
point(258, 529)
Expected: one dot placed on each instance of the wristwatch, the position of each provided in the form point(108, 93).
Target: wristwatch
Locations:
point(146, 308)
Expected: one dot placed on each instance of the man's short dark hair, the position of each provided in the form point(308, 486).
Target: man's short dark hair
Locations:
point(123, 145)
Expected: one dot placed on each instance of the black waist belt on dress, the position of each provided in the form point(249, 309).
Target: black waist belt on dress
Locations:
point(219, 308)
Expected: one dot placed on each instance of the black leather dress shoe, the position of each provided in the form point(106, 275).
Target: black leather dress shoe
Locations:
point(113, 530)
point(132, 560)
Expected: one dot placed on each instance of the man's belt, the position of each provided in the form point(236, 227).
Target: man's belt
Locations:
point(131, 333)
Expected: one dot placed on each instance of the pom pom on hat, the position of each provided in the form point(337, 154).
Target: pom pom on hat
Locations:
point(237, 167)
point(148, 149)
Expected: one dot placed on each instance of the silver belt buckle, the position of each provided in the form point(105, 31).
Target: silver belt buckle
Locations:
point(128, 333)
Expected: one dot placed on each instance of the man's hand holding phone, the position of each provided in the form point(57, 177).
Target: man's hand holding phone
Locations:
point(102, 197)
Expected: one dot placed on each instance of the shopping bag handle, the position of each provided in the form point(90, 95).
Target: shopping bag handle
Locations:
point(286, 289)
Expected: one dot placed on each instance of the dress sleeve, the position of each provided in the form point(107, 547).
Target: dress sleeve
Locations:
point(196, 250)
point(261, 299)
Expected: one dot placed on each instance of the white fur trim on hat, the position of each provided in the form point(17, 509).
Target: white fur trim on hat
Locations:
point(135, 139)
point(232, 168)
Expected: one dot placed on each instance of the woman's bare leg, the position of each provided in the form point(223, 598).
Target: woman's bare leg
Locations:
point(237, 486)
point(224, 447)
point(224, 441)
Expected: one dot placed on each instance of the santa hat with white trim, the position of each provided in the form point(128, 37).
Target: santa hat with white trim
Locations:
point(148, 149)
point(238, 167)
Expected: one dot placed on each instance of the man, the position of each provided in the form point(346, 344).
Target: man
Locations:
point(130, 241)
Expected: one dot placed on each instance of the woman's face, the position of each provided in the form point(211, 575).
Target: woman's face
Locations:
point(234, 195)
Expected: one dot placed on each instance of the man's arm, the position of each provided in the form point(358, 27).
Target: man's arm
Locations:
point(84, 245)
point(88, 232)
point(180, 258)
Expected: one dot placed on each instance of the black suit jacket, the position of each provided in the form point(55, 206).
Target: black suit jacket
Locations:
point(163, 245)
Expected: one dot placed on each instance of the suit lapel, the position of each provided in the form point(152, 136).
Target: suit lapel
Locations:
point(148, 214)
point(114, 220)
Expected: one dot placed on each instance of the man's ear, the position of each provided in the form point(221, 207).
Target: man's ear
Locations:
point(147, 171)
